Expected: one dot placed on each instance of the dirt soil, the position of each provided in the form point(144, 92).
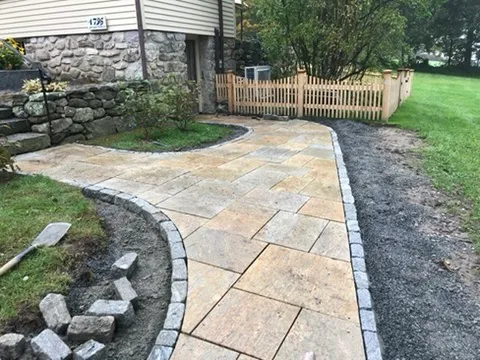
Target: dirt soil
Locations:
point(127, 232)
point(424, 271)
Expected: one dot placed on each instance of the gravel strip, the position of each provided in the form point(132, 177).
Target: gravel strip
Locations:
point(422, 270)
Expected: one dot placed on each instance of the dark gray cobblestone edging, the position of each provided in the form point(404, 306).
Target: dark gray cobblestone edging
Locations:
point(367, 317)
point(167, 338)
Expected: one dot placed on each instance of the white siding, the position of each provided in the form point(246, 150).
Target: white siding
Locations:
point(199, 17)
point(30, 18)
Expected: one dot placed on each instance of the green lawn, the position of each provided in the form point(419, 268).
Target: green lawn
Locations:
point(28, 204)
point(445, 110)
point(165, 139)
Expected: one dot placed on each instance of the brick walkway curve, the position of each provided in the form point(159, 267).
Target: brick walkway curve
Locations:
point(263, 225)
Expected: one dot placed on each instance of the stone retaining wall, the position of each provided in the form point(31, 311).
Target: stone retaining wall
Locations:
point(77, 114)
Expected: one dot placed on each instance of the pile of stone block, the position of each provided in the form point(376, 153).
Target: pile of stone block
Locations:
point(92, 330)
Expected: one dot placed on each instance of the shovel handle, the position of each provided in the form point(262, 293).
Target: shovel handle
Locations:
point(4, 269)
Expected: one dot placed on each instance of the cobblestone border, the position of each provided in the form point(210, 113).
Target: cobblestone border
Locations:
point(167, 338)
point(367, 317)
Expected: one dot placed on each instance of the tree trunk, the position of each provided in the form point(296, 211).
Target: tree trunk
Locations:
point(450, 53)
point(467, 58)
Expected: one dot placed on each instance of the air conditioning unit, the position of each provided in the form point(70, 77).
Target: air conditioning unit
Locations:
point(257, 72)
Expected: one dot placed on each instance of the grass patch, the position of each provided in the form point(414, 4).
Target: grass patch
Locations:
point(28, 204)
point(165, 139)
point(444, 110)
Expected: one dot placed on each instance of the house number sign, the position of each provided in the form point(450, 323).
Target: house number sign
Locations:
point(97, 23)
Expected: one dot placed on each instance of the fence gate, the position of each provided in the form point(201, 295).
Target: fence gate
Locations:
point(376, 97)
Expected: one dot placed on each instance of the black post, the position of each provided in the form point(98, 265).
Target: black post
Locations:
point(221, 35)
point(217, 50)
point(44, 91)
point(141, 39)
point(241, 21)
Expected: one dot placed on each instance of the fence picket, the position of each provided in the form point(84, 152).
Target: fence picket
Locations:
point(372, 99)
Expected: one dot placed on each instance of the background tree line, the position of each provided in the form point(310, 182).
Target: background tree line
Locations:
point(339, 39)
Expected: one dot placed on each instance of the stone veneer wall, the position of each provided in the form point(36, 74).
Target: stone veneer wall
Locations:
point(206, 46)
point(77, 114)
point(107, 57)
point(165, 53)
point(89, 58)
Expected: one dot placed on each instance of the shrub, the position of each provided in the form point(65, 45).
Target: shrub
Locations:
point(35, 86)
point(16, 45)
point(9, 59)
point(145, 107)
point(161, 102)
point(180, 101)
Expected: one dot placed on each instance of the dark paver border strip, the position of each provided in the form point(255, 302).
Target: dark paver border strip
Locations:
point(168, 336)
point(357, 256)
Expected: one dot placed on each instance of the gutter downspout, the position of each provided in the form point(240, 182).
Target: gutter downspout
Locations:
point(141, 38)
point(222, 48)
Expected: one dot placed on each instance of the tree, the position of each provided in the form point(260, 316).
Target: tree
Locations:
point(419, 33)
point(456, 29)
point(333, 39)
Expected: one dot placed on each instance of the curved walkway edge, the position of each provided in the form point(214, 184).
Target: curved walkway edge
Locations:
point(168, 336)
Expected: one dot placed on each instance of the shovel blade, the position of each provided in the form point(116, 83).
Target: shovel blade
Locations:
point(52, 234)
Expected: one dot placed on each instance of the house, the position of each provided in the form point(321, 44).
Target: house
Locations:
point(112, 40)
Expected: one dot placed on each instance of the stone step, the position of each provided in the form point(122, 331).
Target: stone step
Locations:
point(14, 126)
point(26, 142)
point(5, 113)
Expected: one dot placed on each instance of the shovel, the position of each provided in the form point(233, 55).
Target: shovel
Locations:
point(50, 236)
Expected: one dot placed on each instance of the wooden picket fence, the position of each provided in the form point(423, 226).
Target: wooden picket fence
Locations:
point(376, 97)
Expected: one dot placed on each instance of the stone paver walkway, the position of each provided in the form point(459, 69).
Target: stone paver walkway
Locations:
point(263, 225)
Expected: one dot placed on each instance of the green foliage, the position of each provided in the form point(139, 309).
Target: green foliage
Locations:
point(34, 86)
point(29, 203)
point(331, 39)
point(9, 59)
point(456, 30)
point(168, 138)
point(159, 103)
point(444, 110)
point(145, 107)
point(180, 101)
point(249, 53)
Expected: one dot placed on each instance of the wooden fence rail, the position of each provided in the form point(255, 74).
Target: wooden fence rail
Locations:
point(376, 97)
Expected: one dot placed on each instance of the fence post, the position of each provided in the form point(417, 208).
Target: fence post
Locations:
point(410, 81)
point(402, 77)
point(302, 80)
point(387, 83)
point(230, 89)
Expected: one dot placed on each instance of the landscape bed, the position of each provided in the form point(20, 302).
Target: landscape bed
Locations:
point(81, 265)
point(29, 203)
point(170, 138)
